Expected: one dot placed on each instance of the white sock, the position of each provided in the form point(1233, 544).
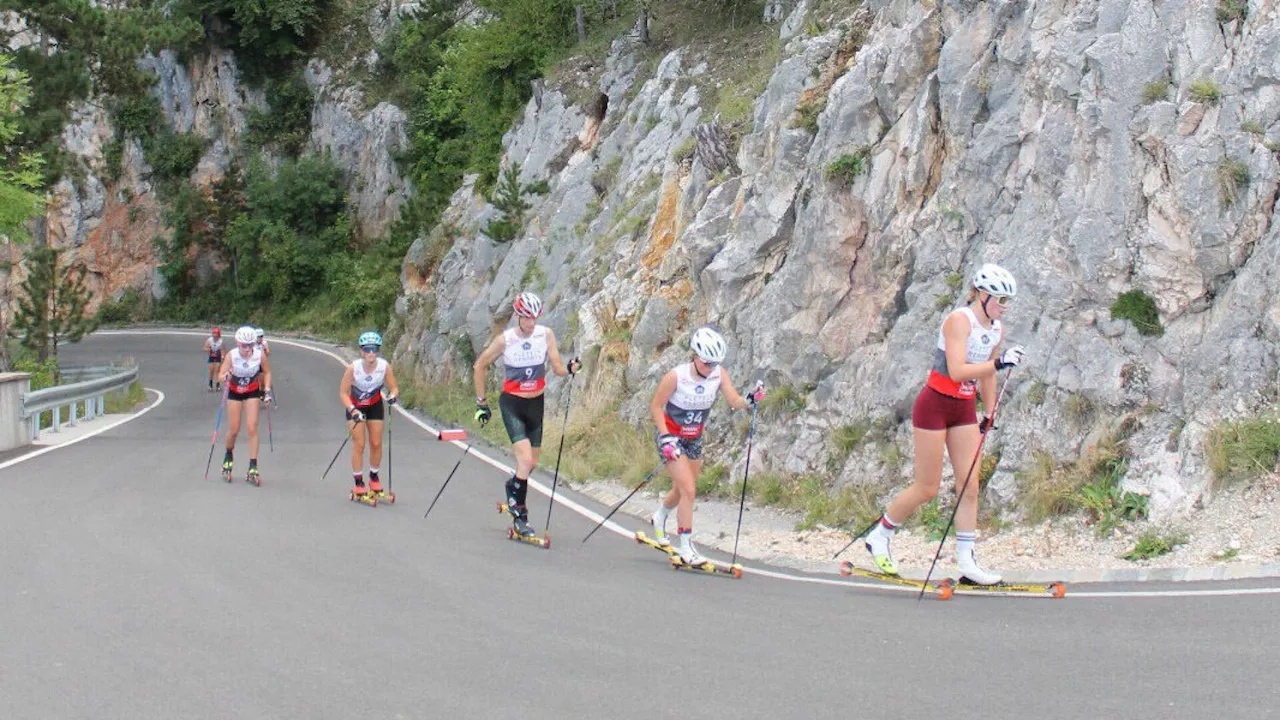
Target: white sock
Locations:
point(964, 543)
point(660, 517)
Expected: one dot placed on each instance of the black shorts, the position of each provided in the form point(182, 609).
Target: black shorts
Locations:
point(215, 359)
point(522, 417)
point(376, 411)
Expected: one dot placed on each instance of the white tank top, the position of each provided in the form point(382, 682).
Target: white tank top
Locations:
point(525, 360)
point(215, 345)
point(690, 403)
point(366, 387)
point(978, 347)
point(245, 371)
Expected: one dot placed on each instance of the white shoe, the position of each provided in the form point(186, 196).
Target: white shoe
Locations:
point(659, 522)
point(688, 553)
point(878, 546)
point(972, 572)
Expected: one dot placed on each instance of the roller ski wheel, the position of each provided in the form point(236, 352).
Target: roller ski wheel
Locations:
point(385, 496)
point(253, 478)
point(543, 542)
point(944, 588)
point(363, 498)
point(227, 472)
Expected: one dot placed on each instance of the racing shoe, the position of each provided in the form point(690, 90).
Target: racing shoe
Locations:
point(522, 526)
point(688, 553)
point(878, 546)
point(972, 572)
point(659, 522)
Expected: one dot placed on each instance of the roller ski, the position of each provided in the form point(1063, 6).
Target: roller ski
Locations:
point(520, 529)
point(361, 494)
point(253, 477)
point(691, 560)
point(1002, 589)
point(943, 588)
point(227, 470)
point(379, 493)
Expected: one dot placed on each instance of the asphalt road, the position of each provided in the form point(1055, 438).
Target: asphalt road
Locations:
point(132, 588)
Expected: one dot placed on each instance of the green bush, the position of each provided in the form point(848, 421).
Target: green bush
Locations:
point(1233, 177)
point(1140, 309)
point(1156, 91)
point(286, 125)
point(1153, 544)
point(1205, 90)
point(1230, 10)
point(847, 167)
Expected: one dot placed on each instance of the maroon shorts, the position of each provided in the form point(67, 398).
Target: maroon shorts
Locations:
point(935, 411)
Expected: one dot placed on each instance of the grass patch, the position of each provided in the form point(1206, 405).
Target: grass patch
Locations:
point(1253, 127)
point(1243, 450)
point(1078, 408)
point(932, 519)
point(686, 148)
point(844, 441)
point(785, 401)
point(1153, 544)
point(1156, 91)
point(845, 168)
point(123, 401)
point(1140, 309)
point(1037, 392)
point(1233, 178)
point(815, 497)
point(1231, 10)
point(1091, 484)
point(1205, 90)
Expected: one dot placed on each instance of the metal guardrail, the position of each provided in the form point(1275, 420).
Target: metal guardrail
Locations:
point(92, 392)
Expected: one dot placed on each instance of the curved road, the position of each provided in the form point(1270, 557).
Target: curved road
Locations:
point(134, 589)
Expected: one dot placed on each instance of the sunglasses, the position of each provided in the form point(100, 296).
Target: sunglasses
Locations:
point(708, 363)
point(1002, 300)
point(247, 346)
point(369, 348)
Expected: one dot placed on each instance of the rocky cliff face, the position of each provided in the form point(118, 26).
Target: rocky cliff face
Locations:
point(112, 224)
point(1079, 144)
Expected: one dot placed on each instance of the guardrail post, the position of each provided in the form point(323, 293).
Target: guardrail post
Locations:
point(72, 410)
point(57, 418)
point(102, 405)
point(89, 412)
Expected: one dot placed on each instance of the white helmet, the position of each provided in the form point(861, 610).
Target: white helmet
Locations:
point(259, 333)
point(995, 280)
point(528, 305)
point(246, 335)
point(708, 345)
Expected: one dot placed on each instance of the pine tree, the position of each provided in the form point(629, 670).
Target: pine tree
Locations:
point(53, 303)
point(508, 197)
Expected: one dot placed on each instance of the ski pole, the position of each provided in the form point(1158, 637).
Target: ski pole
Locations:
point(447, 435)
point(556, 477)
point(390, 411)
point(742, 501)
point(271, 436)
point(350, 429)
point(634, 490)
point(217, 423)
point(981, 441)
point(865, 530)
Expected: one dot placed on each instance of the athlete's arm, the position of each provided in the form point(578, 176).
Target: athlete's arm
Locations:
point(486, 359)
point(553, 354)
point(344, 387)
point(658, 408)
point(987, 384)
point(224, 370)
point(391, 382)
point(955, 332)
point(266, 374)
point(208, 346)
point(736, 401)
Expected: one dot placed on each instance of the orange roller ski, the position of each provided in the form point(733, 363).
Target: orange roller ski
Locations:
point(1048, 590)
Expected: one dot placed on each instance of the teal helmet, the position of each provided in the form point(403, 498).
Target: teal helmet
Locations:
point(370, 338)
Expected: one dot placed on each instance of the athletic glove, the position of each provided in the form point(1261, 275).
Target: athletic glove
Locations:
point(269, 397)
point(575, 365)
point(757, 393)
point(668, 446)
point(987, 424)
point(392, 399)
point(355, 415)
point(483, 414)
point(1011, 358)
